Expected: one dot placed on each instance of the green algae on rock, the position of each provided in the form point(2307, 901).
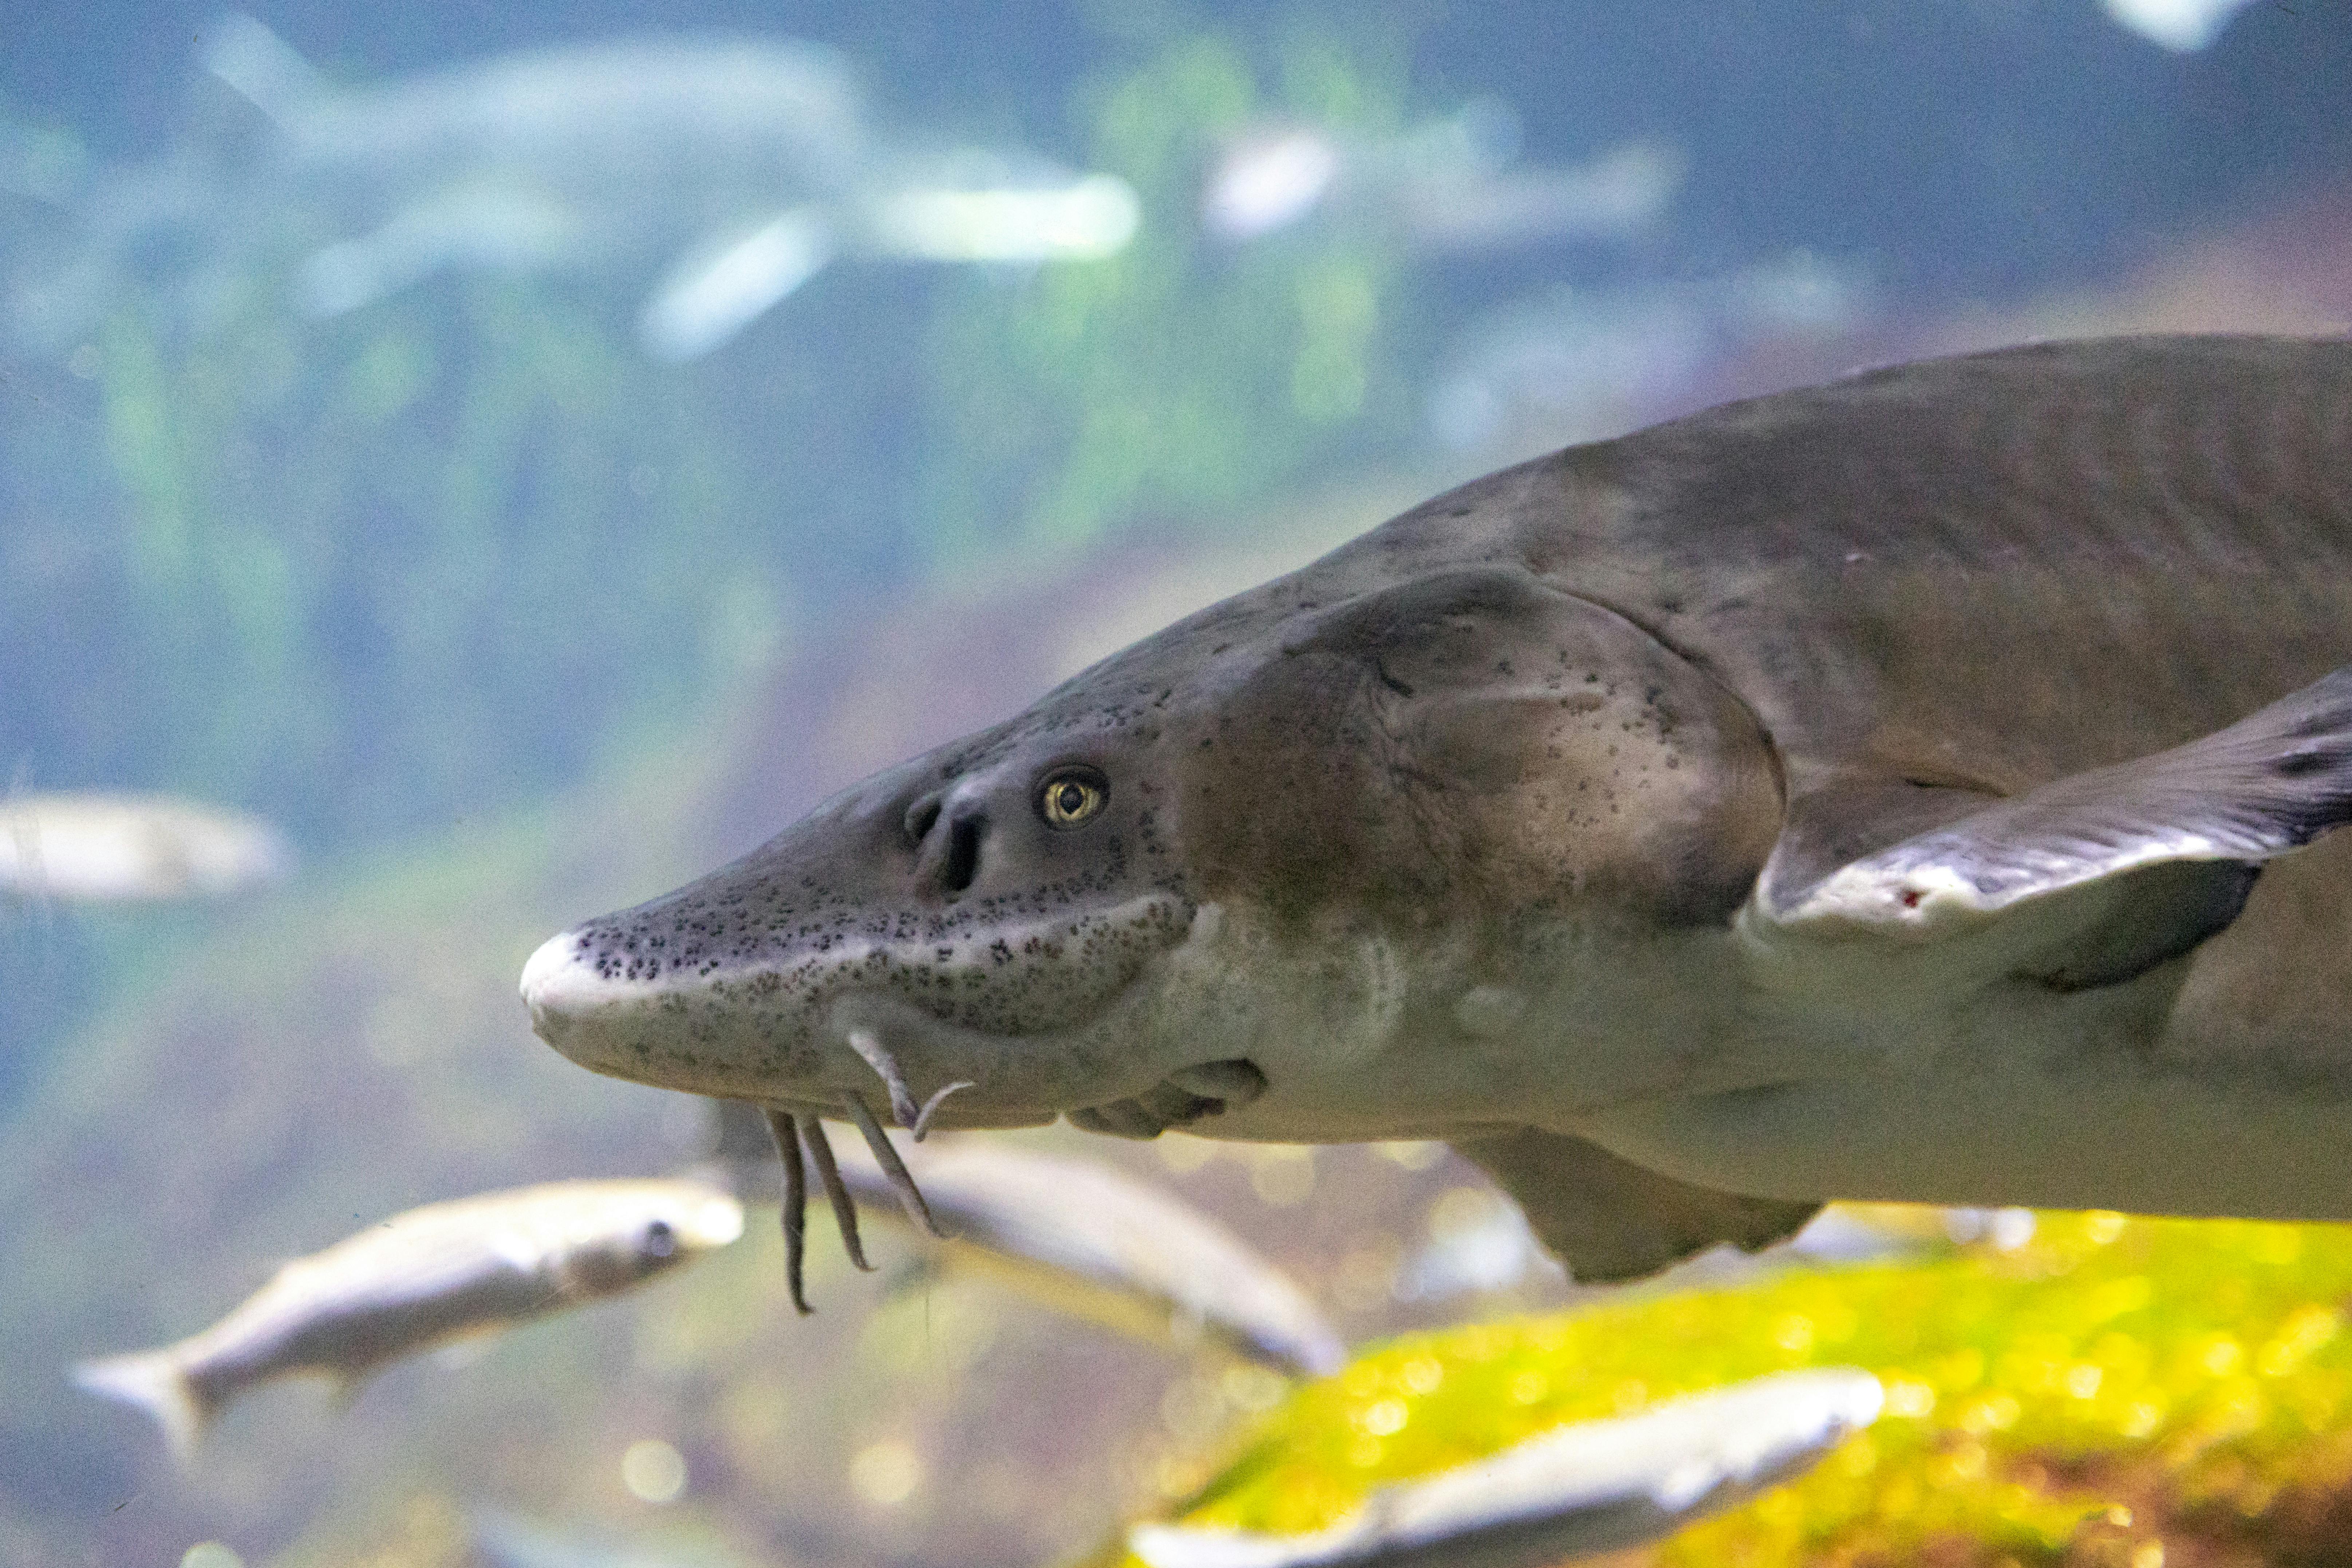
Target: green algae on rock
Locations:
point(2114, 1392)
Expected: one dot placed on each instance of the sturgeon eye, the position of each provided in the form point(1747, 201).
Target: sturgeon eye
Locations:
point(1069, 796)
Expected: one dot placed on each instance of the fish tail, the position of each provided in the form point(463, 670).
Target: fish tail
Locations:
point(261, 66)
point(154, 1382)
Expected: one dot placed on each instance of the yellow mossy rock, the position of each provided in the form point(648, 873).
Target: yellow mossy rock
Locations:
point(2113, 1393)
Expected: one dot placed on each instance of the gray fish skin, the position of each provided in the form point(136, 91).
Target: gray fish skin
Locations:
point(1588, 1488)
point(1854, 792)
point(422, 1279)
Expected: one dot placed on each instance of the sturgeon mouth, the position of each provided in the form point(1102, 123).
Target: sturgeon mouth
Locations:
point(1024, 1016)
point(1184, 1096)
point(1181, 1099)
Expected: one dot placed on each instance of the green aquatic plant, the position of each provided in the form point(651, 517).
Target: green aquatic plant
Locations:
point(365, 575)
point(2113, 1393)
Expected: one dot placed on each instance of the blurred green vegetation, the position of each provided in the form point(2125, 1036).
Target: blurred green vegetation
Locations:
point(2112, 1387)
point(1185, 380)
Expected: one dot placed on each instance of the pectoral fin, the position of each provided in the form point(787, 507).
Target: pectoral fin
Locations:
point(1608, 1218)
point(2092, 879)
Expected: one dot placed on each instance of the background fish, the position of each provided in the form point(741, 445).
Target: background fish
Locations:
point(752, 161)
point(1595, 1487)
point(1452, 185)
point(1083, 1238)
point(419, 1279)
point(119, 848)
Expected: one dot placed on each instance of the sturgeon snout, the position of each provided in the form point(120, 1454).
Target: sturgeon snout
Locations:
point(933, 941)
point(977, 922)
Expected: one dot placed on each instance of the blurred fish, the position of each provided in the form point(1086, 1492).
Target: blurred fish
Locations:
point(420, 1279)
point(2184, 27)
point(1448, 186)
point(125, 848)
point(748, 161)
point(1596, 1486)
point(1084, 1239)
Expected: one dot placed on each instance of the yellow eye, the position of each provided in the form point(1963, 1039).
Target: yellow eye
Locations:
point(1070, 797)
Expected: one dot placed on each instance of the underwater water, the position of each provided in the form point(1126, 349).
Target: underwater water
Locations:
point(523, 456)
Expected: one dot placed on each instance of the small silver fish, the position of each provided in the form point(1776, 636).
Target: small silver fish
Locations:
point(1450, 185)
point(1083, 1238)
point(750, 163)
point(1594, 1487)
point(419, 1279)
point(114, 848)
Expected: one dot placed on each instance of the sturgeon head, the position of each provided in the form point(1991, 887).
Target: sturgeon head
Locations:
point(1259, 856)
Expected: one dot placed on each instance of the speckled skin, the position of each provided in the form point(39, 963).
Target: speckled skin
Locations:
point(1449, 832)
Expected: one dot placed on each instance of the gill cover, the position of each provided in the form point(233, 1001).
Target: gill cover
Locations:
point(1475, 743)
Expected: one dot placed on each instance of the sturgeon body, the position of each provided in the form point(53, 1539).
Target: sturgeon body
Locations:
point(1909, 788)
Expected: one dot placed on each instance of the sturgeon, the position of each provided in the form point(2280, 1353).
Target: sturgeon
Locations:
point(1904, 788)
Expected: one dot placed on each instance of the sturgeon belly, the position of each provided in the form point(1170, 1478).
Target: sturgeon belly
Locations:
point(2218, 1084)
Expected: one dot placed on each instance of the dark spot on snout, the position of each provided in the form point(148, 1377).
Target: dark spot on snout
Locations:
point(946, 844)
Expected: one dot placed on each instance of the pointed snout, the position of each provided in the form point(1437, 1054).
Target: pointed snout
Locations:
point(557, 985)
point(573, 1000)
point(625, 1017)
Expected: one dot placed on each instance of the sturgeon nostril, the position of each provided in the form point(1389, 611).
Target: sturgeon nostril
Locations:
point(921, 817)
point(963, 853)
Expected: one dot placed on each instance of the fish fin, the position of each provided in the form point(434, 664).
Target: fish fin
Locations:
point(1606, 1218)
point(154, 1382)
point(2093, 878)
point(717, 289)
point(261, 66)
